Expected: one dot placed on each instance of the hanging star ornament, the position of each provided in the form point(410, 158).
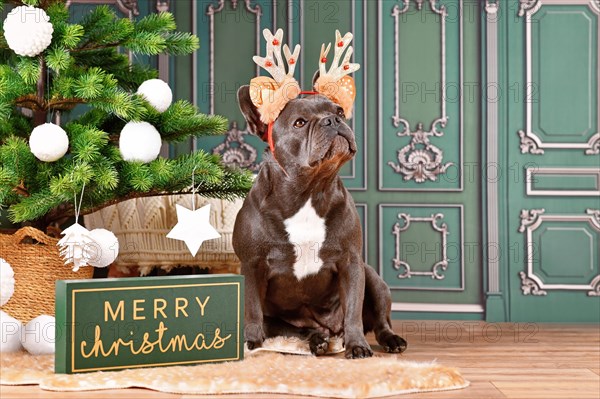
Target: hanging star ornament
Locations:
point(193, 227)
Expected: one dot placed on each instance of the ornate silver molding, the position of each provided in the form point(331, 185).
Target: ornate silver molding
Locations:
point(236, 152)
point(533, 219)
point(528, 5)
point(129, 7)
point(532, 6)
point(491, 8)
point(396, 11)
point(213, 9)
point(420, 164)
point(531, 174)
point(530, 287)
point(594, 143)
point(420, 160)
point(439, 266)
point(594, 217)
point(530, 218)
point(530, 142)
point(437, 307)
point(456, 264)
point(397, 119)
point(595, 291)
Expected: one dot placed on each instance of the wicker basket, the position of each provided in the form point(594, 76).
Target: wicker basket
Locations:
point(37, 265)
point(142, 225)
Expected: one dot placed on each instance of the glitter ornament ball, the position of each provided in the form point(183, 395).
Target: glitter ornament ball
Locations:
point(28, 30)
point(139, 141)
point(10, 333)
point(38, 336)
point(104, 249)
point(7, 282)
point(48, 142)
point(157, 93)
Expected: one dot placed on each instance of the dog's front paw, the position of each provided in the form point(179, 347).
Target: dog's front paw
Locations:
point(319, 343)
point(393, 343)
point(251, 345)
point(254, 335)
point(358, 351)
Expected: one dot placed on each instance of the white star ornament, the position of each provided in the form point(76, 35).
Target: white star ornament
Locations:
point(193, 227)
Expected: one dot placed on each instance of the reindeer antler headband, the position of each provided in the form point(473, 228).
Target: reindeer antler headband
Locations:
point(270, 95)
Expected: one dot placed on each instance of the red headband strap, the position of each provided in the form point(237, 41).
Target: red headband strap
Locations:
point(270, 138)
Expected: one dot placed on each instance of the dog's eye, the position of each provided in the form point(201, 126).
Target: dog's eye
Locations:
point(341, 113)
point(299, 123)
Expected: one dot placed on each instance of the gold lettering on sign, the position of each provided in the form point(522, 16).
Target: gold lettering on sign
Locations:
point(202, 304)
point(176, 343)
point(161, 308)
point(137, 309)
point(179, 307)
point(120, 310)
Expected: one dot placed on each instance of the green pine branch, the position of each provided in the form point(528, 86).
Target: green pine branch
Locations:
point(182, 120)
point(85, 65)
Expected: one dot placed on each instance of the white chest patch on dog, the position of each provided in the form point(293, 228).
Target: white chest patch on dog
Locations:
point(307, 233)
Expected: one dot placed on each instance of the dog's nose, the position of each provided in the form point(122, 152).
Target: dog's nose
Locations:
point(331, 121)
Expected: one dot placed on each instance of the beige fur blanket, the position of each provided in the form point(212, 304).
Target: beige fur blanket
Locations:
point(260, 372)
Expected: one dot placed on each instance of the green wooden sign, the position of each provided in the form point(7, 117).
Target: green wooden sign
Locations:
point(112, 324)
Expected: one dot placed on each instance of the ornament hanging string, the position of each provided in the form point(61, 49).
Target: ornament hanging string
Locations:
point(78, 208)
point(193, 189)
point(48, 93)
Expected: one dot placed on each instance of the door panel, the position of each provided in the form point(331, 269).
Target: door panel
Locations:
point(552, 142)
point(420, 133)
point(428, 247)
point(429, 164)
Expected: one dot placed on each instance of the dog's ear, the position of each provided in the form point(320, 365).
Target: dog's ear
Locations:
point(255, 125)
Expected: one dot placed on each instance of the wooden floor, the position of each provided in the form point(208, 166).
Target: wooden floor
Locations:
point(506, 360)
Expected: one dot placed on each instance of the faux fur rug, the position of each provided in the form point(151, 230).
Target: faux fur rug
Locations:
point(295, 346)
point(263, 372)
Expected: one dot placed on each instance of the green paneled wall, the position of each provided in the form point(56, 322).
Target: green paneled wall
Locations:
point(442, 95)
point(380, 192)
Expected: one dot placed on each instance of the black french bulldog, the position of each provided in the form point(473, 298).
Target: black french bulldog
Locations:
point(299, 238)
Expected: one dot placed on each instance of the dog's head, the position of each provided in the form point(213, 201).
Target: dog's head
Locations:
point(310, 132)
point(306, 131)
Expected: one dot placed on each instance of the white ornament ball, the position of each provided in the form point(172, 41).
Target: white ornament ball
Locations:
point(28, 30)
point(104, 249)
point(10, 333)
point(48, 142)
point(7, 282)
point(38, 336)
point(139, 141)
point(157, 93)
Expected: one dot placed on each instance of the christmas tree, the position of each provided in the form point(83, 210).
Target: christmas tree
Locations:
point(85, 65)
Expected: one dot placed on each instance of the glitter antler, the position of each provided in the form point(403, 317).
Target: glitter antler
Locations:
point(335, 83)
point(270, 95)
